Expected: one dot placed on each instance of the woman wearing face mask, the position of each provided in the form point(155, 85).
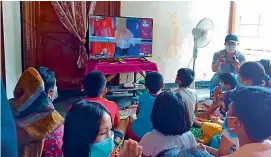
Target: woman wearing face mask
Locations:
point(88, 133)
point(228, 60)
point(39, 125)
point(252, 74)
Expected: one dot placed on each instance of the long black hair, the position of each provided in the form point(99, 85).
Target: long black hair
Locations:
point(170, 115)
point(253, 71)
point(81, 127)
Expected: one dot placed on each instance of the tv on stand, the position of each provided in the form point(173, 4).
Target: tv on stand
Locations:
point(113, 37)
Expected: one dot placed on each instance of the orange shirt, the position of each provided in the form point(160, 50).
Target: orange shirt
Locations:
point(111, 107)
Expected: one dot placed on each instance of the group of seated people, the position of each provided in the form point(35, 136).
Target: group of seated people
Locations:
point(92, 127)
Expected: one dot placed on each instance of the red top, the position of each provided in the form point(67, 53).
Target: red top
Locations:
point(111, 107)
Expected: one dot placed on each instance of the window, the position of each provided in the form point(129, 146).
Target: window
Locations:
point(249, 26)
point(253, 26)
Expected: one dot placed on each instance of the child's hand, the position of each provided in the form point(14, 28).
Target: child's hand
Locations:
point(202, 146)
point(130, 149)
point(217, 90)
point(221, 96)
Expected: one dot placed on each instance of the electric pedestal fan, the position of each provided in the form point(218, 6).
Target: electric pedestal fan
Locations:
point(202, 36)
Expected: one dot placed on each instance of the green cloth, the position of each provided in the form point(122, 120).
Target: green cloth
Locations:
point(196, 131)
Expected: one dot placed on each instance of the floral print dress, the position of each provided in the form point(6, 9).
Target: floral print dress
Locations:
point(53, 143)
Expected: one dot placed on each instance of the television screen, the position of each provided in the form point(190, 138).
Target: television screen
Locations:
point(120, 37)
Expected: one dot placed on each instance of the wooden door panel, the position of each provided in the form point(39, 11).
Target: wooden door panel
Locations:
point(46, 42)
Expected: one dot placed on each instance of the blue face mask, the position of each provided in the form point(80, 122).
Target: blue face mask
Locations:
point(103, 148)
point(56, 95)
point(225, 125)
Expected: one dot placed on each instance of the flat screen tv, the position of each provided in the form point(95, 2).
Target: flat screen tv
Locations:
point(120, 37)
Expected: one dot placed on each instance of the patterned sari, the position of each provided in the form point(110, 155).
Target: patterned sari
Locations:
point(34, 114)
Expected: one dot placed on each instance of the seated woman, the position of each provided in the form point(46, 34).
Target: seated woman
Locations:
point(252, 74)
point(39, 125)
point(88, 133)
point(171, 124)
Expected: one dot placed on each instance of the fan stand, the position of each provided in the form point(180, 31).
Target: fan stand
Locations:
point(195, 55)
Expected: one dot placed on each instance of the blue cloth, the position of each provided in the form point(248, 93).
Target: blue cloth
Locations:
point(215, 142)
point(143, 123)
point(8, 129)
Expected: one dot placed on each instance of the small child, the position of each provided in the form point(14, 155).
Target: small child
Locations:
point(171, 125)
point(94, 86)
point(222, 100)
point(143, 124)
point(184, 79)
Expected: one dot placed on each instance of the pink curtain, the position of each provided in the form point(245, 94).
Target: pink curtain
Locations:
point(74, 16)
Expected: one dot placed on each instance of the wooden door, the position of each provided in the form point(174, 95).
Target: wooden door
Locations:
point(46, 42)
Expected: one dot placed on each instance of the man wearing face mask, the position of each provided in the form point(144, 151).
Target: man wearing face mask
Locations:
point(228, 60)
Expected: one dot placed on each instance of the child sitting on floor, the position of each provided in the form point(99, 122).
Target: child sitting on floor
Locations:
point(228, 82)
point(184, 79)
point(171, 126)
point(143, 124)
point(94, 86)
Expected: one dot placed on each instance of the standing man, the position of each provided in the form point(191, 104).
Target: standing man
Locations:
point(228, 60)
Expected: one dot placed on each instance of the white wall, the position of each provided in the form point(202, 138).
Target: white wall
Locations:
point(12, 40)
point(172, 33)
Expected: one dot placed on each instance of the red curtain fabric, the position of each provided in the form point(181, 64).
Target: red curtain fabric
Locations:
point(74, 16)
